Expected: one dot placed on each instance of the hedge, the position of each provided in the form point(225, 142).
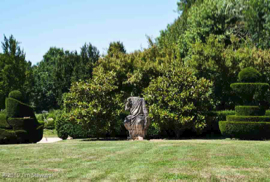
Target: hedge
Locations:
point(22, 123)
point(245, 130)
point(16, 95)
point(249, 111)
point(17, 109)
point(3, 121)
point(249, 118)
point(249, 74)
point(250, 92)
point(7, 136)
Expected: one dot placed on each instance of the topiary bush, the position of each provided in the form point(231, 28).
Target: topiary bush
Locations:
point(249, 75)
point(249, 111)
point(19, 124)
point(249, 121)
point(16, 94)
point(251, 93)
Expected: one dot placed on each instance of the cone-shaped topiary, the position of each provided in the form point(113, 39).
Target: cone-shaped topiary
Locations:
point(19, 123)
point(249, 121)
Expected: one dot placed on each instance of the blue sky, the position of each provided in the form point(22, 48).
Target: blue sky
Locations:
point(68, 24)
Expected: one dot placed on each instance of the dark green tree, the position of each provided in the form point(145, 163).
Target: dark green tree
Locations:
point(15, 70)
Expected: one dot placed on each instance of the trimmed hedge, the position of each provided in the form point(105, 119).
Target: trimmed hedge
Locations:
point(3, 121)
point(16, 95)
point(249, 111)
point(249, 118)
point(250, 92)
point(17, 109)
point(245, 130)
point(250, 75)
point(7, 136)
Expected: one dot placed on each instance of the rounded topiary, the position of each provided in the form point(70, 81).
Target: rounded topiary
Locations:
point(16, 94)
point(249, 75)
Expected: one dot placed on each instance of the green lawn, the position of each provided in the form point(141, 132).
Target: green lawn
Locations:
point(183, 160)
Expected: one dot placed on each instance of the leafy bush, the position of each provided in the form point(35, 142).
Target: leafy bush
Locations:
point(16, 95)
point(249, 118)
point(62, 127)
point(251, 93)
point(178, 100)
point(249, 75)
point(245, 130)
point(66, 128)
point(249, 111)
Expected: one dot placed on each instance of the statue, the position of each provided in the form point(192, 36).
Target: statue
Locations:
point(137, 123)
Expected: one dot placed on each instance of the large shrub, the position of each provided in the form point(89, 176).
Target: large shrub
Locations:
point(66, 128)
point(178, 100)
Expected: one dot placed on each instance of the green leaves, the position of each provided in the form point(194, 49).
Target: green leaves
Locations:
point(178, 99)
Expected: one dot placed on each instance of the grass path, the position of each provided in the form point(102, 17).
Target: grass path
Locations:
point(184, 160)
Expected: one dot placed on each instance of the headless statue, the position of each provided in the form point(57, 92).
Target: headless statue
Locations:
point(137, 122)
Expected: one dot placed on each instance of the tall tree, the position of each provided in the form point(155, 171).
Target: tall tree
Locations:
point(115, 48)
point(14, 69)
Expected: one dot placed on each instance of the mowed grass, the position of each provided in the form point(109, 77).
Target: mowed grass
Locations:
point(183, 160)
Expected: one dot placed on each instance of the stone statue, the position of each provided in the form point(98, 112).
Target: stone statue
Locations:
point(137, 123)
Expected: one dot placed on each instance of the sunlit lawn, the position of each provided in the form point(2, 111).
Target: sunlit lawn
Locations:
point(183, 160)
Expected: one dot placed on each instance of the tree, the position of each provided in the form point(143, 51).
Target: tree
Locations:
point(115, 48)
point(15, 70)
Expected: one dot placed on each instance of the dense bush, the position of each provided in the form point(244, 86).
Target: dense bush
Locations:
point(177, 101)
point(249, 111)
point(251, 93)
point(249, 118)
point(65, 128)
point(245, 130)
point(249, 75)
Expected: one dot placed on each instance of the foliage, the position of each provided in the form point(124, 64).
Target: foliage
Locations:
point(245, 130)
point(251, 93)
point(15, 72)
point(249, 75)
point(249, 118)
point(19, 122)
point(62, 127)
point(177, 100)
point(115, 48)
point(55, 73)
point(249, 111)
point(65, 128)
point(16, 95)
